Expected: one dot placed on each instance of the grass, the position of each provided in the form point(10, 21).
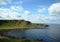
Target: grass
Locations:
point(18, 40)
point(13, 24)
point(16, 25)
point(9, 26)
point(6, 39)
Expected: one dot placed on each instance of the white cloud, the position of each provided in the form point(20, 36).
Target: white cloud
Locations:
point(16, 8)
point(12, 13)
point(41, 9)
point(54, 15)
point(3, 1)
point(26, 12)
point(37, 18)
point(8, 14)
point(54, 9)
point(51, 19)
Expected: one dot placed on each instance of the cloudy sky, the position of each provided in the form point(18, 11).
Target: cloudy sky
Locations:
point(36, 11)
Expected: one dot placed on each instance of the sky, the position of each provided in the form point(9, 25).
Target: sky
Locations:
point(35, 11)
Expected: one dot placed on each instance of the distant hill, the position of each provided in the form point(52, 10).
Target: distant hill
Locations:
point(19, 24)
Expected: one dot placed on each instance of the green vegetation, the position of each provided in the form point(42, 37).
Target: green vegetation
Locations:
point(18, 40)
point(13, 24)
point(6, 39)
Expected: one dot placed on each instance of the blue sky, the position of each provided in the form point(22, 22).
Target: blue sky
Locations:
point(36, 11)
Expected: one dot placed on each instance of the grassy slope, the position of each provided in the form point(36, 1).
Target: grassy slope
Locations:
point(12, 24)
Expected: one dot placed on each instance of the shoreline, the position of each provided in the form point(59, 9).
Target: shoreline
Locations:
point(23, 28)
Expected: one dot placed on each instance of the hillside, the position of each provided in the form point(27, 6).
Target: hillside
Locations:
point(19, 24)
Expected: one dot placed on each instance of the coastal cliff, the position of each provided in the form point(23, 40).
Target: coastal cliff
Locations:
point(19, 24)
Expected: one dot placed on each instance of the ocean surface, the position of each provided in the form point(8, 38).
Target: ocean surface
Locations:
point(48, 34)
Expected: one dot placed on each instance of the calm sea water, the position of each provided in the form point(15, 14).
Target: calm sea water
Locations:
point(50, 34)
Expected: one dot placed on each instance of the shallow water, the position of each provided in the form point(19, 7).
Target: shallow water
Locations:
point(50, 34)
